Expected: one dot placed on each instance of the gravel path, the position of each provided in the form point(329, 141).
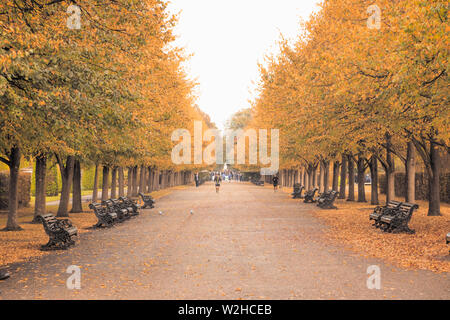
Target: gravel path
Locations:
point(245, 243)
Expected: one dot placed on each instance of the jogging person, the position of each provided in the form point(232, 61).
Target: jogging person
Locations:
point(275, 183)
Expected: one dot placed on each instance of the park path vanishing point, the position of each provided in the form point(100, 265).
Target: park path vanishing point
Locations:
point(245, 243)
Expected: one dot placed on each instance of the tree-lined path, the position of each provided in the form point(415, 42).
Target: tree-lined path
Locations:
point(247, 242)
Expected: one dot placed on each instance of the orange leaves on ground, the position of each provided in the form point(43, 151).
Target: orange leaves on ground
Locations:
point(23, 245)
point(425, 250)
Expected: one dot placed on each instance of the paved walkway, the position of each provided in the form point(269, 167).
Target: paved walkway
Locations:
point(246, 242)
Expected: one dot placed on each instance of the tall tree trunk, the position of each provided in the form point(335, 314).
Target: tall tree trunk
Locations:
point(321, 177)
point(410, 173)
point(306, 179)
point(14, 166)
point(135, 181)
point(434, 203)
point(105, 187)
point(121, 182)
point(95, 191)
point(149, 179)
point(130, 182)
point(142, 181)
point(326, 176)
point(77, 205)
point(361, 179)
point(67, 179)
point(343, 185)
point(314, 177)
point(374, 177)
point(351, 179)
point(157, 186)
point(389, 167)
point(40, 187)
point(336, 169)
point(114, 183)
point(310, 178)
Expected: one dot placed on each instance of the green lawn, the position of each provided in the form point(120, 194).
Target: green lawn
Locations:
point(56, 198)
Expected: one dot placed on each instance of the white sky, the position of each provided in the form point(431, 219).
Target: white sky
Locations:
point(228, 39)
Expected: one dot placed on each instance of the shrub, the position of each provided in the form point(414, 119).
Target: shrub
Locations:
point(24, 187)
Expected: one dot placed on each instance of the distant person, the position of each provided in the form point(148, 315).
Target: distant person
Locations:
point(197, 180)
point(217, 181)
point(275, 181)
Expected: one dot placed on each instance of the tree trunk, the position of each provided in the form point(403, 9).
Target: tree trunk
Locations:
point(310, 178)
point(121, 182)
point(351, 179)
point(14, 166)
point(434, 204)
point(114, 183)
point(326, 176)
point(361, 179)
point(343, 184)
point(163, 179)
point(157, 180)
point(374, 177)
point(321, 177)
point(130, 182)
point(67, 179)
point(410, 173)
point(77, 205)
point(95, 191)
point(390, 171)
point(149, 179)
point(105, 187)
point(314, 177)
point(142, 181)
point(40, 187)
point(135, 182)
point(306, 179)
point(336, 169)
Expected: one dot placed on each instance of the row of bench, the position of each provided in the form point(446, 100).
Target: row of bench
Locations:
point(394, 217)
point(61, 232)
point(325, 200)
point(258, 182)
point(114, 211)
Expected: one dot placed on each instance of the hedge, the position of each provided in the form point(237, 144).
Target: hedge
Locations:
point(421, 186)
point(24, 186)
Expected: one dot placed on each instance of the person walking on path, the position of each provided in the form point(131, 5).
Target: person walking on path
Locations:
point(217, 181)
point(197, 180)
point(275, 183)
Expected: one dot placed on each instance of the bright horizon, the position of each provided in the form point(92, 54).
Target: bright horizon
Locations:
point(228, 40)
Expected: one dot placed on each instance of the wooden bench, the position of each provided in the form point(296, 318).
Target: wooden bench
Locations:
point(60, 232)
point(398, 222)
point(380, 211)
point(149, 202)
point(309, 196)
point(126, 210)
point(130, 204)
point(106, 218)
point(4, 274)
point(258, 183)
point(298, 190)
point(326, 200)
point(448, 238)
point(114, 206)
